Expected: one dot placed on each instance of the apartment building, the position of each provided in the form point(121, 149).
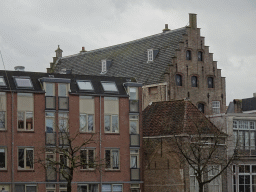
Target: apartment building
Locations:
point(37, 109)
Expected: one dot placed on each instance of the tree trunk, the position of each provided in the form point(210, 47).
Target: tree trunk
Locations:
point(70, 178)
point(69, 186)
point(201, 187)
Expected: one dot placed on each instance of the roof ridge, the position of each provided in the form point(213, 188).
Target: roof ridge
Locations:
point(125, 43)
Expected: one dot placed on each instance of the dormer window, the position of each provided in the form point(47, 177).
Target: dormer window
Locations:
point(23, 82)
point(109, 86)
point(104, 66)
point(85, 85)
point(2, 81)
point(150, 55)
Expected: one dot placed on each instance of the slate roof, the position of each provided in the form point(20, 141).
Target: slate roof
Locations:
point(249, 104)
point(129, 59)
point(174, 118)
point(36, 79)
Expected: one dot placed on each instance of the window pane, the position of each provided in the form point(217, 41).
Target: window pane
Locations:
point(19, 188)
point(83, 156)
point(133, 127)
point(2, 120)
point(200, 56)
point(107, 122)
point(21, 117)
point(90, 122)
point(85, 85)
point(29, 120)
point(194, 81)
point(83, 122)
point(30, 188)
point(178, 80)
point(62, 90)
point(115, 156)
point(91, 158)
point(2, 158)
point(63, 122)
point(49, 89)
point(210, 82)
point(252, 140)
point(133, 161)
point(117, 188)
point(49, 125)
point(107, 157)
point(106, 188)
point(133, 93)
point(83, 188)
point(22, 82)
point(201, 107)
point(21, 158)
point(2, 81)
point(114, 123)
point(109, 86)
point(29, 159)
point(93, 188)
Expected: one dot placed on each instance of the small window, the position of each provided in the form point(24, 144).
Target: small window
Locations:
point(87, 157)
point(23, 82)
point(178, 80)
point(88, 188)
point(200, 56)
point(194, 81)
point(134, 158)
point(50, 122)
point(215, 107)
point(86, 122)
point(133, 91)
point(109, 86)
point(210, 82)
point(134, 124)
point(104, 66)
point(3, 158)
point(85, 85)
point(63, 89)
point(2, 81)
point(63, 122)
point(201, 107)
point(188, 55)
point(111, 124)
point(112, 159)
point(49, 89)
point(26, 158)
point(150, 55)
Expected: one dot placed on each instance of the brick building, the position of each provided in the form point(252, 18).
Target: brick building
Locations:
point(165, 168)
point(37, 108)
point(171, 65)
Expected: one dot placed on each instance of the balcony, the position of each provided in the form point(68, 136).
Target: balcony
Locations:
point(134, 106)
point(50, 138)
point(135, 140)
point(135, 174)
point(50, 102)
point(63, 138)
point(51, 174)
point(63, 103)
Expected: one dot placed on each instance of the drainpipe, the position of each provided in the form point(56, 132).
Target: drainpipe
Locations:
point(12, 187)
point(100, 150)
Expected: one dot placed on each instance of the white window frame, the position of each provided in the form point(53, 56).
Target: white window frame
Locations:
point(215, 107)
point(25, 121)
point(135, 119)
point(111, 123)
point(88, 187)
point(50, 117)
point(5, 157)
point(27, 185)
point(50, 188)
point(63, 124)
point(88, 158)
point(85, 129)
point(66, 91)
point(103, 66)
point(112, 187)
point(47, 92)
point(2, 80)
point(25, 158)
point(195, 184)
point(136, 93)
point(135, 153)
point(150, 55)
point(62, 188)
point(111, 158)
point(3, 119)
point(216, 180)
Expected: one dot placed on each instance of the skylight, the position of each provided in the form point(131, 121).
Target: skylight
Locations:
point(2, 81)
point(109, 86)
point(23, 82)
point(85, 85)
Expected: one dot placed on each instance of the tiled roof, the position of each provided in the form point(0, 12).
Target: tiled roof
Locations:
point(174, 118)
point(36, 80)
point(129, 59)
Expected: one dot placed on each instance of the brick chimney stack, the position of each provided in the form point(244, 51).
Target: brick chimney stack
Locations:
point(166, 28)
point(192, 20)
point(83, 50)
point(58, 52)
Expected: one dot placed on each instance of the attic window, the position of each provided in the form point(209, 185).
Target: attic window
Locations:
point(23, 82)
point(2, 81)
point(104, 66)
point(109, 86)
point(150, 55)
point(85, 85)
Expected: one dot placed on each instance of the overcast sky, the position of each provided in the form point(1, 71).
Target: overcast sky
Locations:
point(31, 30)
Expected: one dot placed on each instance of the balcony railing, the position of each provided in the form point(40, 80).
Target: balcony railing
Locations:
point(63, 103)
point(135, 140)
point(134, 106)
point(50, 102)
point(135, 174)
point(51, 174)
point(63, 138)
point(50, 138)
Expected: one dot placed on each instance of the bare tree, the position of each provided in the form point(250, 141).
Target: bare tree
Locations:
point(203, 148)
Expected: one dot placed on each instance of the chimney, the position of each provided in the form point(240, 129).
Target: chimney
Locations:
point(192, 20)
point(19, 68)
point(58, 52)
point(254, 94)
point(83, 50)
point(166, 28)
